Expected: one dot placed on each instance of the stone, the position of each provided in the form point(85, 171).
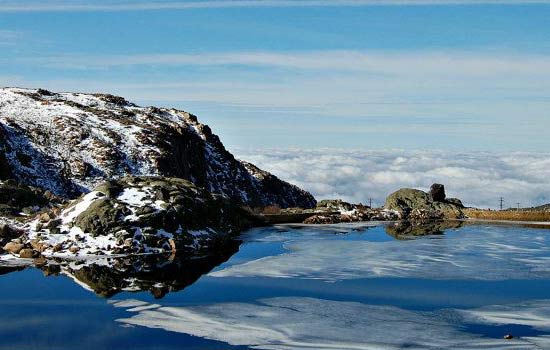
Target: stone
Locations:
point(455, 201)
point(99, 217)
point(38, 246)
point(13, 247)
point(7, 232)
point(405, 200)
point(44, 217)
point(40, 261)
point(58, 247)
point(74, 249)
point(28, 253)
point(437, 192)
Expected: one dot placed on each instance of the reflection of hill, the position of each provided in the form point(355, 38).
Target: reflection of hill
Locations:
point(159, 274)
point(407, 230)
point(8, 269)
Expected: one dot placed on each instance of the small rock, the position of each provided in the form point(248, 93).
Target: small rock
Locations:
point(53, 223)
point(74, 249)
point(40, 261)
point(58, 247)
point(28, 253)
point(38, 246)
point(13, 247)
point(44, 217)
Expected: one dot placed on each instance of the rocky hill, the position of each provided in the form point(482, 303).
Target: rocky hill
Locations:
point(67, 143)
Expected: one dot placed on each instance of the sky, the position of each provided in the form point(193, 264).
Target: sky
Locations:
point(419, 75)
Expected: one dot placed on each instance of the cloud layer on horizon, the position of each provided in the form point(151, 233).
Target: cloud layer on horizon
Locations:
point(478, 178)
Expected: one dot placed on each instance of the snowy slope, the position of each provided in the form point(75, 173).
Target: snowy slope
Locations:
point(69, 142)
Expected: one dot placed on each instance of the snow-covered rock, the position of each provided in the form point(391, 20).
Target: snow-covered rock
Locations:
point(68, 143)
point(135, 215)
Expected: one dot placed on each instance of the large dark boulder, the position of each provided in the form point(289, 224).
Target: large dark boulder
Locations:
point(145, 214)
point(418, 205)
point(437, 192)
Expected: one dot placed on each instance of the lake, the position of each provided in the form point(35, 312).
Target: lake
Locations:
point(350, 286)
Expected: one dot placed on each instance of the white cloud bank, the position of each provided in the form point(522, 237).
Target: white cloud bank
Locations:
point(479, 179)
point(307, 323)
point(114, 5)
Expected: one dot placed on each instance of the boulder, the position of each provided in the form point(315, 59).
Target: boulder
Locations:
point(144, 214)
point(437, 192)
point(27, 253)
point(13, 247)
point(8, 232)
point(418, 205)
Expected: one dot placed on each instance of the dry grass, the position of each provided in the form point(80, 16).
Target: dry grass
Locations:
point(512, 215)
point(272, 209)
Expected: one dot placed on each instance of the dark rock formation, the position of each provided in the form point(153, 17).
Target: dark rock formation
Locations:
point(140, 215)
point(419, 206)
point(437, 192)
point(16, 198)
point(68, 143)
point(410, 230)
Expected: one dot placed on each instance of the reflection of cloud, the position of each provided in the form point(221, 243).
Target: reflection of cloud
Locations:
point(477, 178)
point(307, 323)
point(480, 253)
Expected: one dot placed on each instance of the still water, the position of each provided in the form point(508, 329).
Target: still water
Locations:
point(297, 287)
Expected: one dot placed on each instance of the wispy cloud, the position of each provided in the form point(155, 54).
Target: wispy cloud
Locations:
point(56, 6)
point(376, 62)
point(9, 37)
point(479, 179)
point(482, 100)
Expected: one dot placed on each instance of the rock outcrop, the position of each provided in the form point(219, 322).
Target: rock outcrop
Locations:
point(139, 215)
point(68, 143)
point(417, 205)
point(333, 211)
point(19, 200)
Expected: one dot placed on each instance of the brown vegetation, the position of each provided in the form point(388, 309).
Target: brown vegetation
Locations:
point(512, 215)
point(272, 209)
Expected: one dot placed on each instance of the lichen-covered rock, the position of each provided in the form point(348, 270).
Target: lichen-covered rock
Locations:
point(140, 215)
point(419, 205)
point(68, 143)
point(16, 198)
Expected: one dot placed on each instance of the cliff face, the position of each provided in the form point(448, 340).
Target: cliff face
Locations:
point(67, 143)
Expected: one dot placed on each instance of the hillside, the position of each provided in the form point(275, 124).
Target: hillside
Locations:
point(67, 143)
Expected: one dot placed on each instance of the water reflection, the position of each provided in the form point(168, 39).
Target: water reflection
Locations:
point(476, 253)
point(286, 323)
point(158, 274)
point(408, 230)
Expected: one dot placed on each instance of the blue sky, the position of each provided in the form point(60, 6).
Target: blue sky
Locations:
point(445, 75)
